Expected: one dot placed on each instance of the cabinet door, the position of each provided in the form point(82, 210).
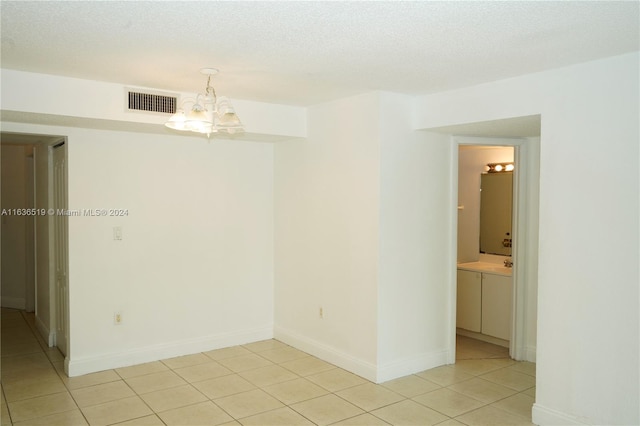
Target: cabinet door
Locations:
point(469, 300)
point(496, 306)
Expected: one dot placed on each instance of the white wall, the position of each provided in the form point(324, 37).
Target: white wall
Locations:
point(65, 99)
point(14, 226)
point(359, 214)
point(471, 163)
point(200, 242)
point(414, 204)
point(588, 324)
point(194, 270)
point(335, 228)
point(327, 221)
point(195, 267)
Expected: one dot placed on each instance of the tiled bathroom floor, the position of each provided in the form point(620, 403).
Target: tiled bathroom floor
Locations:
point(263, 383)
point(468, 348)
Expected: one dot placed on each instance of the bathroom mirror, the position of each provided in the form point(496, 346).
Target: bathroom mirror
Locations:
point(496, 202)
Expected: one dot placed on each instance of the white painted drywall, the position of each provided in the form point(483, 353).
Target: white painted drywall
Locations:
point(414, 207)
point(195, 265)
point(194, 269)
point(359, 214)
point(327, 209)
point(588, 325)
point(64, 96)
point(329, 238)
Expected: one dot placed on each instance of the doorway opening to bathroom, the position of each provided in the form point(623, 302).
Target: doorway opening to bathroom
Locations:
point(523, 135)
point(484, 249)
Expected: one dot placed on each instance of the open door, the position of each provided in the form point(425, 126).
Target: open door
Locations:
point(60, 247)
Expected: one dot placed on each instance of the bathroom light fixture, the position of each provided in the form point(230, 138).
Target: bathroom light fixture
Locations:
point(208, 113)
point(499, 167)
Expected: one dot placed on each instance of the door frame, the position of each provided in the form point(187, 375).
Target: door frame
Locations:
point(62, 342)
point(525, 239)
point(30, 273)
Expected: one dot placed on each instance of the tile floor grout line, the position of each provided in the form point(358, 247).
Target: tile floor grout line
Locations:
point(6, 402)
point(258, 350)
point(40, 396)
point(484, 404)
point(35, 332)
point(506, 411)
point(140, 398)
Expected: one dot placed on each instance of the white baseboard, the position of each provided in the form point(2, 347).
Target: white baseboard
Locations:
point(530, 353)
point(412, 365)
point(542, 416)
point(327, 353)
point(80, 366)
point(49, 336)
point(13, 302)
point(525, 353)
point(369, 371)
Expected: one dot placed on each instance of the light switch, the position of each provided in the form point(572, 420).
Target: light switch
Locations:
point(117, 233)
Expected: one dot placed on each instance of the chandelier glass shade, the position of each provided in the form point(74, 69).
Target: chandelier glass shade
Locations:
point(207, 114)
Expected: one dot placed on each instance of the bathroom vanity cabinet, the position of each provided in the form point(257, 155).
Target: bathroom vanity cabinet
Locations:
point(484, 302)
point(469, 301)
point(496, 306)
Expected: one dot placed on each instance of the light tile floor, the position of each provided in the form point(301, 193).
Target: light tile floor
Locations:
point(263, 383)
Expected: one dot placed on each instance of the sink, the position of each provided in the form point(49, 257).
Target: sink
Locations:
point(492, 268)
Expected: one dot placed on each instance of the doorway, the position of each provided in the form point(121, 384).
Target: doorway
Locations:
point(17, 202)
point(525, 135)
point(485, 235)
point(45, 236)
point(59, 245)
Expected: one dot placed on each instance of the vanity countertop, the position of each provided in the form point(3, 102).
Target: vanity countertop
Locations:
point(490, 268)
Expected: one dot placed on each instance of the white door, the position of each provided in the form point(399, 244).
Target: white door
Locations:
point(59, 252)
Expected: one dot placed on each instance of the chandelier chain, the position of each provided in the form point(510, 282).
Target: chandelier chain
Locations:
point(210, 91)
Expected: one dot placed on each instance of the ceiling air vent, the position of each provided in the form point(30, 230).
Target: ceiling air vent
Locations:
point(151, 102)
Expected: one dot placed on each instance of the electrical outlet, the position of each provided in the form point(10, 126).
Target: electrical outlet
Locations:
point(117, 318)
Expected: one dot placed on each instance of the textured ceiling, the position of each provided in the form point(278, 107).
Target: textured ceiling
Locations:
point(302, 53)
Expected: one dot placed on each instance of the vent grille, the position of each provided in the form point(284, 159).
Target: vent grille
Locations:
point(139, 101)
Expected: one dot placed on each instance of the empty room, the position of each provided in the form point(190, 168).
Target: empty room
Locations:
point(270, 213)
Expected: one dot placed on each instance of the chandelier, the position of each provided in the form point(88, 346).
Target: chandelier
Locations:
point(208, 113)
